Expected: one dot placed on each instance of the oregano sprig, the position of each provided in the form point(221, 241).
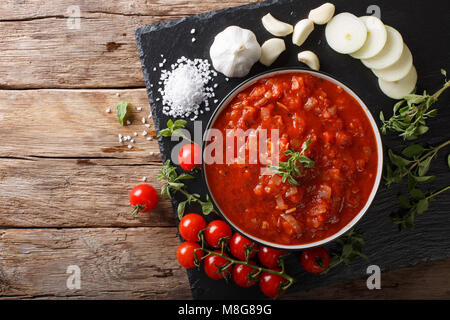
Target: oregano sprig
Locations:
point(414, 163)
point(351, 245)
point(410, 207)
point(174, 182)
point(290, 170)
point(410, 114)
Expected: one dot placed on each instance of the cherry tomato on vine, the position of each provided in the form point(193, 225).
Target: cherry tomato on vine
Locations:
point(315, 260)
point(190, 225)
point(241, 275)
point(238, 245)
point(269, 257)
point(186, 254)
point(270, 284)
point(217, 230)
point(210, 266)
point(143, 198)
point(190, 156)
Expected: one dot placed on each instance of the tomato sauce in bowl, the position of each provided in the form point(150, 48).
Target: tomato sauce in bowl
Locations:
point(305, 107)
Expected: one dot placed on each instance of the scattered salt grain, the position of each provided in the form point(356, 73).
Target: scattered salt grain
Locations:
point(108, 110)
point(192, 31)
point(144, 178)
point(215, 85)
point(143, 120)
point(147, 125)
point(151, 153)
point(130, 146)
point(117, 94)
point(149, 138)
point(139, 108)
point(144, 133)
point(193, 39)
point(128, 122)
point(135, 134)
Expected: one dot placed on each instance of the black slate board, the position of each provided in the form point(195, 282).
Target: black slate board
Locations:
point(422, 25)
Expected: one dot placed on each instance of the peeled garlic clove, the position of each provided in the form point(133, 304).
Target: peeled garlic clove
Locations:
point(276, 27)
point(302, 30)
point(271, 50)
point(322, 14)
point(310, 59)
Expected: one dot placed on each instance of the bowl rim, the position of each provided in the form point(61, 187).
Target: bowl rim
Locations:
point(250, 81)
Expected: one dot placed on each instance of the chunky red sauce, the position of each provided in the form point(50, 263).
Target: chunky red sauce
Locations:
point(329, 195)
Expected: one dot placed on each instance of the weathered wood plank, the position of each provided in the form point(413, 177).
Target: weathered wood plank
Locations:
point(425, 281)
point(102, 53)
point(125, 263)
point(73, 123)
point(75, 193)
point(28, 9)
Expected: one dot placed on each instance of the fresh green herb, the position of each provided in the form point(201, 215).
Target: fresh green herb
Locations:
point(409, 120)
point(122, 112)
point(417, 204)
point(173, 183)
point(415, 165)
point(174, 129)
point(350, 249)
point(290, 170)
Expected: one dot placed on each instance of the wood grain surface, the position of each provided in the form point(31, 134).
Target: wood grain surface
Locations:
point(65, 178)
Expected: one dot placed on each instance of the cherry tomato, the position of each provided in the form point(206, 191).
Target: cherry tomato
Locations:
point(217, 230)
point(269, 257)
point(143, 198)
point(241, 275)
point(190, 156)
point(190, 225)
point(210, 266)
point(238, 245)
point(186, 254)
point(270, 284)
point(315, 260)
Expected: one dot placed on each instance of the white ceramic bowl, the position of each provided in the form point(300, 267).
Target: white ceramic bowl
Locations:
point(323, 75)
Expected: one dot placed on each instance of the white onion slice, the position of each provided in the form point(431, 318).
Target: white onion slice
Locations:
point(399, 69)
point(376, 38)
point(399, 89)
point(271, 50)
point(275, 26)
point(390, 53)
point(345, 33)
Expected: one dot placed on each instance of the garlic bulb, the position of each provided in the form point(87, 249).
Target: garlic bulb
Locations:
point(234, 51)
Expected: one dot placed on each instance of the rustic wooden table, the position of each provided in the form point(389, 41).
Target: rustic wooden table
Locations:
point(64, 177)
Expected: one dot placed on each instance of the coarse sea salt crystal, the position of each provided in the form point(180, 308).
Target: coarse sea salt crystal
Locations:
point(186, 87)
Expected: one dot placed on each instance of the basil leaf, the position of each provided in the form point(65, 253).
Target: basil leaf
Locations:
point(122, 112)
